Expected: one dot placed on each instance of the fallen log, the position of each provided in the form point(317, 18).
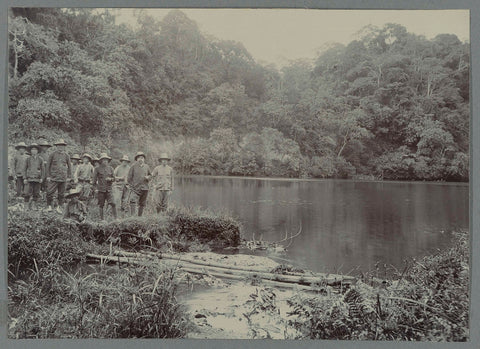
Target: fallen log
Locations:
point(307, 281)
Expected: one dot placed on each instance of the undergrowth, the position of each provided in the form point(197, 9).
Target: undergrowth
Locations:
point(50, 297)
point(428, 301)
point(132, 302)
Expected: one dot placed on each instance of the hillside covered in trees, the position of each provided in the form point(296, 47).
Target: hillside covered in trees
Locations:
point(391, 104)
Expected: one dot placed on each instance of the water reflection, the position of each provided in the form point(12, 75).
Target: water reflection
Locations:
point(344, 223)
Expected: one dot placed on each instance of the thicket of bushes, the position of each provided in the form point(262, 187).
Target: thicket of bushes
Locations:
point(178, 230)
point(47, 238)
point(49, 299)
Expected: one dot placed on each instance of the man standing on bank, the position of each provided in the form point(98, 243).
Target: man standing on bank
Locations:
point(102, 182)
point(137, 179)
point(19, 165)
point(75, 161)
point(34, 175)
point(59, 169)
point(44, 145)
point(121, 173)
point(163, 182)
point(83, 176)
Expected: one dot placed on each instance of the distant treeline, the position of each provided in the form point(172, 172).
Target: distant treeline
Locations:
point(390, 104)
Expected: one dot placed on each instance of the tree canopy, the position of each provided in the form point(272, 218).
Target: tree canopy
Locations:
point(390, 104)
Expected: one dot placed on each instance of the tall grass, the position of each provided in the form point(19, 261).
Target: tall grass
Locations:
point(133, 302)
point(48, 300)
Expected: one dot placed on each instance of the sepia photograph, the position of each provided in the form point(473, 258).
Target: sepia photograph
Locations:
point(197, 173)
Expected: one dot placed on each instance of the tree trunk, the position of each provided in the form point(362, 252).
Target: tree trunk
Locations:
point(15, 67)
point(345, 141)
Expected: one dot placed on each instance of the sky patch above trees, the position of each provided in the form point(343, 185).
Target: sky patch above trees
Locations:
point(280, 35)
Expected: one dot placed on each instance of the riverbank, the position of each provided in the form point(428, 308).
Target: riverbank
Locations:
point(54, 294)
point(359, 179)
point(427, 301)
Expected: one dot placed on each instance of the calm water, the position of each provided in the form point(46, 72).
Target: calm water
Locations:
point(345, 224)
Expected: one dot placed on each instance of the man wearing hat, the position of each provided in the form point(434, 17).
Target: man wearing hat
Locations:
point(102, 182)
point(19, 166)
point(74, 159)
point(44, 146)
point(162, 176)
point(75, 208)
point(58, 170)
point(120, 188)
point(34, 175)
point(95, 162)
point(137, 179)
point(83, 176)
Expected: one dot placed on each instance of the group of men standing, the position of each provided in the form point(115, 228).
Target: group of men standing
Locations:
point(85, 178)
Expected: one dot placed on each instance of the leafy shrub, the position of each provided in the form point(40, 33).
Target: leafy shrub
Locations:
point(213, 228)
point(132, 231)
point(429, 302)
point(179, 229)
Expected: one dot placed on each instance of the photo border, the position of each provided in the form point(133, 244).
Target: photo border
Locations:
point(474, 189)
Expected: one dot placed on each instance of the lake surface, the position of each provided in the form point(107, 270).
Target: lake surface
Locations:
point(345, 224)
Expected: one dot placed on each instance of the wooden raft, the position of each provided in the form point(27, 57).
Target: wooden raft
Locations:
point(292, 280)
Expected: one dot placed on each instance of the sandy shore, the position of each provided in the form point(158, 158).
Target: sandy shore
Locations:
point(237, 309)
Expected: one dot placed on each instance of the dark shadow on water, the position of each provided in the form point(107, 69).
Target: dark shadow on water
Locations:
point(345, 224)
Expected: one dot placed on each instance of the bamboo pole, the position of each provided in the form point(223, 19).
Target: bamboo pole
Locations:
point(136, 261)
point(117, 259)
point(263, 281)
point(318, 277)
point(225, 271)
point(189, 260)
point(274, 277)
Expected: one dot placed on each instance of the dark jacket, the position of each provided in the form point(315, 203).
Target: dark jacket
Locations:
point(19, 165)
point(136, 176)
point(103, 178)
point(59, 167)
point(35, 169)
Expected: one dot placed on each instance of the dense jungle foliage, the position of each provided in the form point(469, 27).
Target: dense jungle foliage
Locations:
point(53, 293)
point(390, 104)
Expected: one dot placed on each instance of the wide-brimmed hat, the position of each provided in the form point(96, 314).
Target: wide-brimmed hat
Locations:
point(72, 192)
point(86, 155)
point(75, 157)
point(125, 158)
point(94, 159)
point(164, 156)
point(104, 156)
point(44, 143)
point(61, 141)
point(21, 145)
point(33, 145)
point(140, 153)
